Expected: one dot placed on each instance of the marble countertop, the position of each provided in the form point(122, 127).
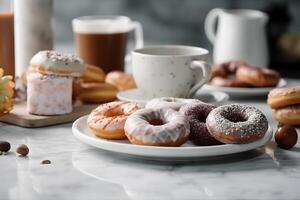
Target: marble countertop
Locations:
point(79, 171)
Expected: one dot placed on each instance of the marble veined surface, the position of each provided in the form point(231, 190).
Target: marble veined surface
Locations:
point(79, 171)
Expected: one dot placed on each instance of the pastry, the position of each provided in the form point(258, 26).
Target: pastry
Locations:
point(281, 97)
point(258, 76)
point(121, 80)
point(170, 102)
point(288, 115)
point(237, 123)
point(48, 94)
point(93, 74)
point(96, 92)
point(223, 75)
point(54, 63)
point(157, 127)
point(6, 93)
point(107, 120)
point(196, 114)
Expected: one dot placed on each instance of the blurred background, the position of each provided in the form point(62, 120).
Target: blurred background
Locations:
point(182, 22)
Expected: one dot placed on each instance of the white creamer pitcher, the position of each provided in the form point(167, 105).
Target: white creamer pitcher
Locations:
point(240, 35)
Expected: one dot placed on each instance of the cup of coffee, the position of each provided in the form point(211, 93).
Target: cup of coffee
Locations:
point(102, 40)
point(176, 71)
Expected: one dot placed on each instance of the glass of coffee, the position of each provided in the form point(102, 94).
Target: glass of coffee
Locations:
point(102, 40)
point(7, 52)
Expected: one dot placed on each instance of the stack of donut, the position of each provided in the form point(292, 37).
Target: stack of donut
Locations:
point(97, 87)
point(285, 103)
point(172, 121)
point(241, 74)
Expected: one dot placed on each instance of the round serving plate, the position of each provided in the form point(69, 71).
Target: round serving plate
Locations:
point(186, 151)
point(242, 92)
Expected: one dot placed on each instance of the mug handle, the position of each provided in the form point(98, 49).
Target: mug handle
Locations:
point(210, 22)
point(138, 37)
point(205, 69)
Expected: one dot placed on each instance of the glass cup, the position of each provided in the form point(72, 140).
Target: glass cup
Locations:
point(102, 40)
point(7, 55)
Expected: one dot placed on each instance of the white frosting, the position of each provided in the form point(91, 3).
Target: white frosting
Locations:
point(57, 63)
point(48, 94)
point(170, 102)
point(174, 128)
point(93, 25)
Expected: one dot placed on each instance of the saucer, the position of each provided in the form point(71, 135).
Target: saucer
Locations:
point(138, 96)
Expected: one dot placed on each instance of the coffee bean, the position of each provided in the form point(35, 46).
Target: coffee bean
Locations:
point(46, 162)
point(22, 150)
point(4, 146)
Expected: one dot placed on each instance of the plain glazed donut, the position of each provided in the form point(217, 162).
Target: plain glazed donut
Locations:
point(228, 82)
point(288, 115)
point(96, 92)
point(121, 80)
point(258, 76)
point(196, 114)
point(93, 73)
point(170, 102)
point(107, 120)
point(237, 123)
point(157, 127)
point(281, 97)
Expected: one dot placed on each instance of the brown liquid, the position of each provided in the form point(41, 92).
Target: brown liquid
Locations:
point(7, 54)
point(104, 50)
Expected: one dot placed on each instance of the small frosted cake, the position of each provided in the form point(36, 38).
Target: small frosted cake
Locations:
point(49, 94)
point(49, 82)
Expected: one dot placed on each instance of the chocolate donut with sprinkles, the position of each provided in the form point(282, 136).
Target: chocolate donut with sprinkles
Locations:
point(237, 124)
point(196, 114)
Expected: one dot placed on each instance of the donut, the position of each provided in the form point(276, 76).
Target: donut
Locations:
point(226, 69)
point(95, 92)
point(93, 73)
point(196, 114)
point(281, 97)
point(230, 81)
point(107, 120)
point(6, 93)
point(169, 102)
point(288, 115)
point(59, 64)
point(237, 123)
point(121, 80)
point(157, 127)
point(258, 76)
point(223, 75)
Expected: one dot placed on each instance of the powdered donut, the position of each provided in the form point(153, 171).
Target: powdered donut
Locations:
point(237, 123)
point(196, 114)
point(157, 127)
point(170, 102)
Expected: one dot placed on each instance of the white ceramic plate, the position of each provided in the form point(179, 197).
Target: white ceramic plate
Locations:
point(236, 92)
point(186, 151)
point(213, 97)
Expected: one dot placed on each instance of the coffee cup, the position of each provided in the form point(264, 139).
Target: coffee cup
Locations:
point(171, 70)
point(102, 40)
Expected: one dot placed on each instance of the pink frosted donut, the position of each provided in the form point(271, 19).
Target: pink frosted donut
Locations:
point(170, 102)
point(196, 114)
point(157, 127)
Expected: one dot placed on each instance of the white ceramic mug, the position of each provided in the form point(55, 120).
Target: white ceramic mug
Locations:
point(177, 71)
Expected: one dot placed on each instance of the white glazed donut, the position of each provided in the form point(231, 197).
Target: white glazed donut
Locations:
point(170, 102)
point(54, 63)
point(157, 127)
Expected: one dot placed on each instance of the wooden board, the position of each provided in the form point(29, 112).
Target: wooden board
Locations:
point(20, 117)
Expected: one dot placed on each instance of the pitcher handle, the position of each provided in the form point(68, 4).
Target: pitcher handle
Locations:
point(138, 37)
point(205, 69)
point(210, 22)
